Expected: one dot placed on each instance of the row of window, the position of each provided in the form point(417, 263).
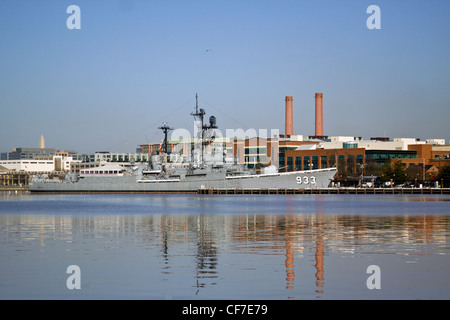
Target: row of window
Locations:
point(84, 165)
point(115, 158)
point(255, 150)
point(391, 156)
point(100, 172)
point(255, 159)
point(26, 162)
point(325, 162)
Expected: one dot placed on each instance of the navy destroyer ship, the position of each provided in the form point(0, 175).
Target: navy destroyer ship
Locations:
point(159, 175)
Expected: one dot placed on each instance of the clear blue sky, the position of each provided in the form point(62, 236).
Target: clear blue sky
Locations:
point(135, 64)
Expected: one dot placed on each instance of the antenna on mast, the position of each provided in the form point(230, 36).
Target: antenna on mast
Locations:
point(200, 114)
point(196, 102)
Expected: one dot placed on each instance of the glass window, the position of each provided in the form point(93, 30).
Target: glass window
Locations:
point(350, 163)
point(323, 161)
point(306, 163)
point(290, 163)
point(359, 159)
point(255, 150)
point(341, 162)
point(331, 160)
point(315, 162)
point(298, 163)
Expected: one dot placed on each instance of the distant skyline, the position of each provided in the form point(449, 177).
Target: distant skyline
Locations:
point(135, 64)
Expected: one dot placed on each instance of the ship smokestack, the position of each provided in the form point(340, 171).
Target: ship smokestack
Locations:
point(289, 119)
point(319, 114)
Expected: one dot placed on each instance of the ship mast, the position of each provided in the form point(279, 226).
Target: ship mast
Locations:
point(165, 128)
point(200, 114)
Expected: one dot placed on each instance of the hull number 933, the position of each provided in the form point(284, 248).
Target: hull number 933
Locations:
point(306, 180)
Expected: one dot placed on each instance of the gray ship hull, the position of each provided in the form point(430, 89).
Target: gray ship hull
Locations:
point(189, 183)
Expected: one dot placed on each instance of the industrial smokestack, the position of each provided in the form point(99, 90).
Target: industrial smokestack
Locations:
point(319, 114)
point(289, 119)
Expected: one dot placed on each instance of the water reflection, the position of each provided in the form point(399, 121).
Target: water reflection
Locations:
point(206, 257)
point(319, 255)
point(196, 245)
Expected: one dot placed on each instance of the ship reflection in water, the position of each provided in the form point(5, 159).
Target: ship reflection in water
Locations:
point(223, 256)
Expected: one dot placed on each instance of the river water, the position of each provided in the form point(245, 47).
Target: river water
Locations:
point(254, 247)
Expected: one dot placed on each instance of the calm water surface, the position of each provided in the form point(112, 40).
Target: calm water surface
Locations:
point(224, 246)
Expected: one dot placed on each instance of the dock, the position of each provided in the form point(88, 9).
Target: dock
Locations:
point(13, 180)
point(14, 188)
point(328, 191)
point(257, 191)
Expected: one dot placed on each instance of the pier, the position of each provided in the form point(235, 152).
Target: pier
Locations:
point(14, 190)
point(255, 191)
point(328, 191)
point(14, 180)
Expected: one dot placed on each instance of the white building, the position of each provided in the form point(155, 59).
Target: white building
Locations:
point(436, 141)
point(29, 165)
point(107, 170)
point(106, 156)
point(63, 163)
point(57, 163)
point(373, 144)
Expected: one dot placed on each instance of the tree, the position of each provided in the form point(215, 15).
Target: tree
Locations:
point(397, 172)
point(444, 174)
point(372, 168)
point(415, 173)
